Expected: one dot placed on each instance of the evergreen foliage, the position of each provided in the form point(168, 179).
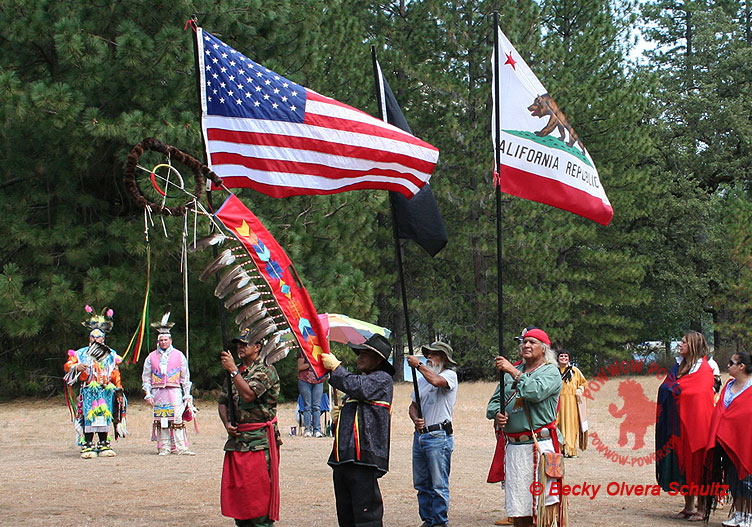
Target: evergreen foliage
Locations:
point(81, 84)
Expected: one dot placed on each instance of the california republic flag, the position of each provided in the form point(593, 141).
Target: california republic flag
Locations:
point(541, 157)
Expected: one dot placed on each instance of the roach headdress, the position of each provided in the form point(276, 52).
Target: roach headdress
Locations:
point(102, 322)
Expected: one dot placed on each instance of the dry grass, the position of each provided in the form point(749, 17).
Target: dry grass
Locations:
point(46, 483)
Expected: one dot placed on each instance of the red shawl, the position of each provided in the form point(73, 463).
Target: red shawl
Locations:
point(695, 410)
point(726, 429)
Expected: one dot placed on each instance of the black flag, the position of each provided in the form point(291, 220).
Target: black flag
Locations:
point(417, 218)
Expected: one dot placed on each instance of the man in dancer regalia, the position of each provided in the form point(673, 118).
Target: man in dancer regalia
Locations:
point(96, 367)
point(167, 385)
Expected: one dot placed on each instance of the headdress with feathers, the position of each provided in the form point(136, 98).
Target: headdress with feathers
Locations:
point(102, 322)
point(164, 325)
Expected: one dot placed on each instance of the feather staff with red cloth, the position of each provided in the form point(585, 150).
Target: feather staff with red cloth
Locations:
point(685, 405)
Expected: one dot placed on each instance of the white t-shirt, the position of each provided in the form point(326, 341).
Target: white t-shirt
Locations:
point(437, 404)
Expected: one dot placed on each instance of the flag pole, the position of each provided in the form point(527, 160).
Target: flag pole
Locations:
point(222, 322)
point(395, 234)
point(497, 158)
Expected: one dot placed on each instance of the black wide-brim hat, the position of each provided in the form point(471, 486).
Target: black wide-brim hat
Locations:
point(381, 346)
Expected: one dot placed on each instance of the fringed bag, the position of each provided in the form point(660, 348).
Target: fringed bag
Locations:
point(551, 466)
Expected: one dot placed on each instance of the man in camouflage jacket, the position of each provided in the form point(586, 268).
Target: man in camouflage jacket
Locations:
point(250, 475)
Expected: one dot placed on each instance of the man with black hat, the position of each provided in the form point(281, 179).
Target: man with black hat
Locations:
point(361, 441)
point(250, 475)
point(433, 441)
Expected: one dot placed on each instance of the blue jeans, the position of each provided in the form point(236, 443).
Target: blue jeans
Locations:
point(432, 460)
point(311, 404)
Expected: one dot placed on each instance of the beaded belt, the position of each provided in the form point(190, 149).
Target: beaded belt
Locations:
point(523, 437)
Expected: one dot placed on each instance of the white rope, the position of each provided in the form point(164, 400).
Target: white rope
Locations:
point(184, 265)
point(195, 222)
point(197, 209)
point(147, 210)
point(146, 224)
point(167, 182)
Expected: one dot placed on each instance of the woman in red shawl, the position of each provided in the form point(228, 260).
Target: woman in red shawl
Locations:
point(685, 405)
point(729, 449)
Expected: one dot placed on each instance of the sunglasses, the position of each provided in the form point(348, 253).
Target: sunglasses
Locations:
point(733, 363)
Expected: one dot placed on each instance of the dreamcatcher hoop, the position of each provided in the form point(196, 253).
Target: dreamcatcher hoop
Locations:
point(200, 171)
point(170, 170)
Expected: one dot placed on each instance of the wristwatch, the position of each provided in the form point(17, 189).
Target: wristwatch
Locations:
point(233, 374)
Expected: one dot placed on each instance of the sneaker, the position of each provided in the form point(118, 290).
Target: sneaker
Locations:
point(185, 452)
point(88, 452)
point(164, 453)
point(308, 434)
point(318, 434)
point(734, 521)
point(745, 520)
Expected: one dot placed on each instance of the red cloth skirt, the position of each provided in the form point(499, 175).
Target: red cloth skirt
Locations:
point(246, 486)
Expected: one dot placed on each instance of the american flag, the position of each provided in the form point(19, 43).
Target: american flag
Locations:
point(268, 133)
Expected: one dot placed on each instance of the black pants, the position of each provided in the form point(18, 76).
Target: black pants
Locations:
point(356, 489)
point(89, 437)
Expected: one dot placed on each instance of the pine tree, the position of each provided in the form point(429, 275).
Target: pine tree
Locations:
point(81, 84)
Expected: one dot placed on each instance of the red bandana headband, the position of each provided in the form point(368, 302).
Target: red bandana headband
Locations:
point(539, 334)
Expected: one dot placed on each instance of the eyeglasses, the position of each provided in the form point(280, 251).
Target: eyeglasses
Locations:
point(733, 363)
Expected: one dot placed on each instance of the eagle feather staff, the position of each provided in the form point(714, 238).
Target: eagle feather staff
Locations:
point(262, 282)
point(274, 305)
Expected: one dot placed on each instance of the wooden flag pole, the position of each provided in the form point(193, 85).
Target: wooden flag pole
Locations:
point(222, 322)
point(397, 247)
point(497, 157)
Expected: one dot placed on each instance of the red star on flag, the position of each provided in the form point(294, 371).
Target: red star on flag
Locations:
point(510, 61)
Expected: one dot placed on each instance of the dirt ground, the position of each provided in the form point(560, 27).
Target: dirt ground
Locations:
point(44, 481)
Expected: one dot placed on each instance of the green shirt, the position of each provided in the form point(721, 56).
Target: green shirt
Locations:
point(540, 391)
point(264, 382)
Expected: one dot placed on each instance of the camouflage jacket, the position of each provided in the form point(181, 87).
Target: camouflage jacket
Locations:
point(264, 382)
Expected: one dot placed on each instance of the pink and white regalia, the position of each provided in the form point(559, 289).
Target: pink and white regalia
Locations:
point(167, 385)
